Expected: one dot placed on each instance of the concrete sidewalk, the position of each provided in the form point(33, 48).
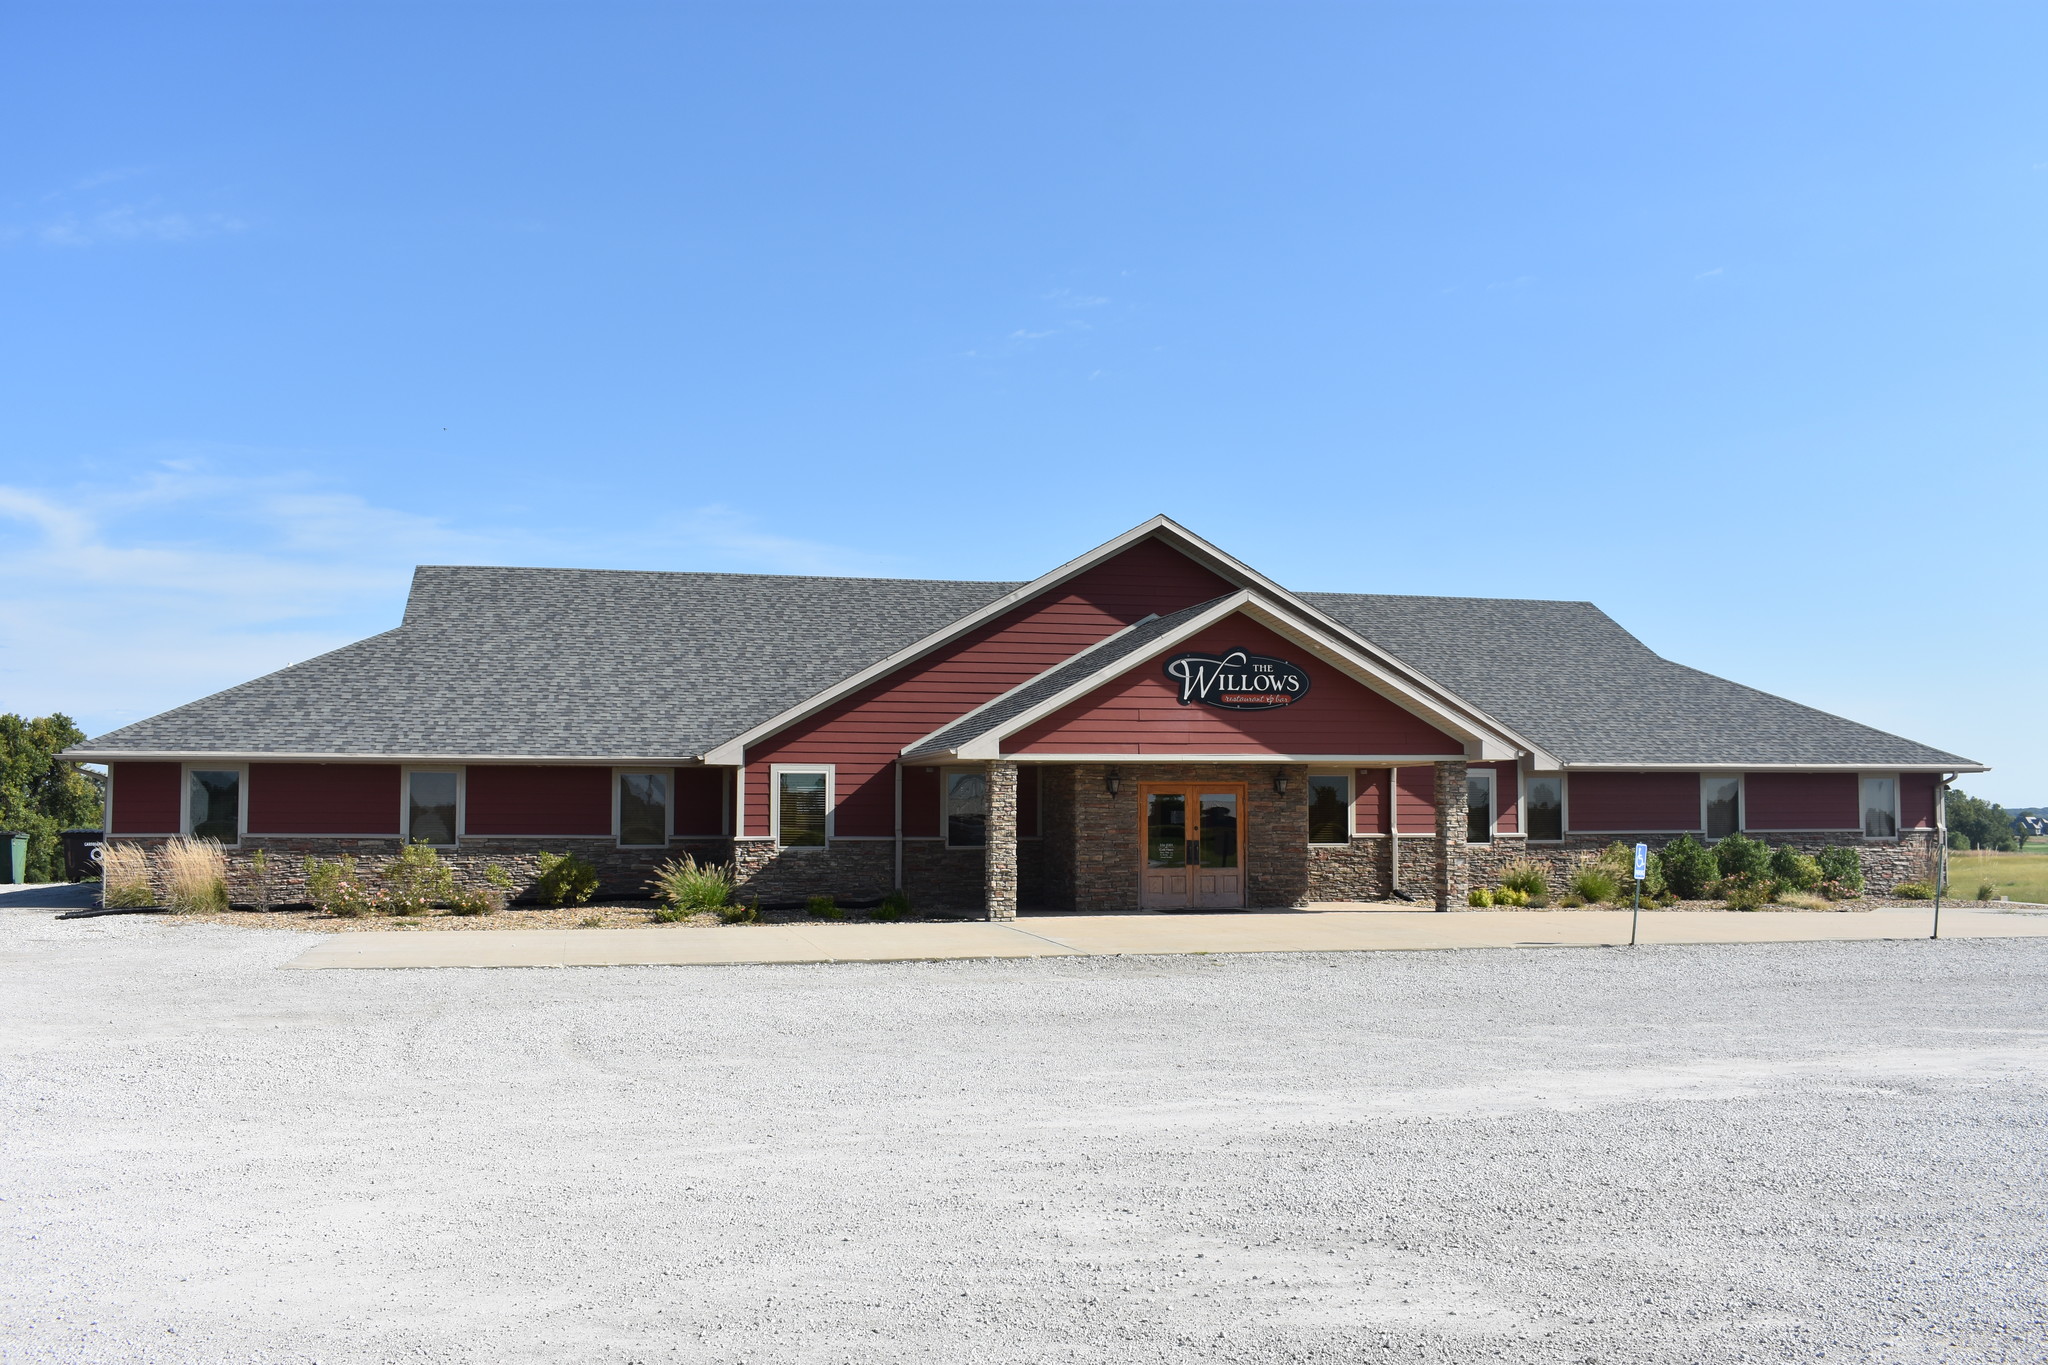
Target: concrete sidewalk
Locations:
point(1305, 931)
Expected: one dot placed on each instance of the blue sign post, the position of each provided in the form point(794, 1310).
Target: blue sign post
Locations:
point(1636, 914)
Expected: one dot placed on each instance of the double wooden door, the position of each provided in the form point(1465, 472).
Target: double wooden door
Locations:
point(1193, 845)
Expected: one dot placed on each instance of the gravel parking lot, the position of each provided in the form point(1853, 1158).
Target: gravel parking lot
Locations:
point(1804, 1152)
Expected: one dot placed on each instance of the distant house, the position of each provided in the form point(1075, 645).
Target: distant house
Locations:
point(1154, 724)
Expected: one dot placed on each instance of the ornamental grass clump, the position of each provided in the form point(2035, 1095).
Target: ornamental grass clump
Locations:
point(418, 881)
point(823, 907)
point(124, 877)
point(1986, 891)
point(1529, 878)
point(686, 887)
point(1593, 884)
point(565, 879)
point(195, 873)
point(894, 906)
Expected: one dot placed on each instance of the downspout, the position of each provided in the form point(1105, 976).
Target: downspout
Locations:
point(899, 824)
point(1940, 846)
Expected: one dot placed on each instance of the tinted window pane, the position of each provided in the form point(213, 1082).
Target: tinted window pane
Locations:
point(643, 808)
point(1724, 806)
point(1545, 811)
point(1329, 810)
point(217, 806)
point(1880, 809)
point(430, 816)
point(966, 810)
point(1479, 808)
point(802, 812)
point(1219, 829)
point(1166, 829)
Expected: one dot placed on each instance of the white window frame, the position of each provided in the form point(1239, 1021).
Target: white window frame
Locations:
point(1564, 805)
point(1492, 776)
point(775, 772)
point(185, 820)
point(1741, 803)
point(668, 814)
point(1898, 821)
point(405, 799)
point(945, 817)
point(1350, 777)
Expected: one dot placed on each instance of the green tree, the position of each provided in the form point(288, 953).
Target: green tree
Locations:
point(1984, 823)
point(40, 794)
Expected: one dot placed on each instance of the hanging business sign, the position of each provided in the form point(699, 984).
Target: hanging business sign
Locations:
point(1237, 681)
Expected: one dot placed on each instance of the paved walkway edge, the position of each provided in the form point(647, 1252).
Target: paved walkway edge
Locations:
point(1124, 935)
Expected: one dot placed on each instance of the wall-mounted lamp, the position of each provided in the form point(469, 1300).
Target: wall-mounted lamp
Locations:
point(1280, 781)
point(1110, 779)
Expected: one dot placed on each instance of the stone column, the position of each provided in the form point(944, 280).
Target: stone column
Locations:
point(1452, 879)
point(1000, 867)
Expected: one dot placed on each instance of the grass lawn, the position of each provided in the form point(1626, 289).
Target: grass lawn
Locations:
point(2022, 876)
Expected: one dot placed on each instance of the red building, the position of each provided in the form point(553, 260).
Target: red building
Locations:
point(1154, 724)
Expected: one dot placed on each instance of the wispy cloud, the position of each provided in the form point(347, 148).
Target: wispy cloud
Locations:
point(132, 223)
point(129, 597)
point(1709, 274)
point(1068, 298)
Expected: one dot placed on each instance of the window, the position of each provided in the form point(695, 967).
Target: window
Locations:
point(1722, 799)
point(803, 802)
point(1543, 810)
point(1329, 808)
point(1479, 807)
point(1880, 808)
point(966, 808)
point(430, 816)
point(643, 808)
point(215, 796)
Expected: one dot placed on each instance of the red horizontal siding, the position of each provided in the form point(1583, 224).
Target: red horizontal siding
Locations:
point(148, 798)
point(1627, 803)
point(1507, 796)
point(700, 800)
point(862, 735)
point(1916, 801)
point(1415, 799)
point(1140, 713)
point(323, 798)
point(921, 804)
point(1798, 801)
point(537, 799)
point(1369, 803)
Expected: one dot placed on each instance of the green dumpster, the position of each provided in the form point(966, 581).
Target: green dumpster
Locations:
point(13, 857)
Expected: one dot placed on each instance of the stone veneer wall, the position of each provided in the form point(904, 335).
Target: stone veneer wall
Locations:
point(621, 871)
point(1886, 863)
point(1102, 831)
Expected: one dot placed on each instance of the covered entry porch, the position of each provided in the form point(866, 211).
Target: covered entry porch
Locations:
point(1222, 834)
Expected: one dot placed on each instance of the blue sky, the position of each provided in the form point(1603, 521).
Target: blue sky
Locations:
point(1732, 319)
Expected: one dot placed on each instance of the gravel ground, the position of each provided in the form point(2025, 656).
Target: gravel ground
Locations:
point(1773, 1153)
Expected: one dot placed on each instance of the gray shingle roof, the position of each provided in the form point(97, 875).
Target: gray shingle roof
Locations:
point(594, 663)
point(1097, 663)
point(568, 663)
point(1566, 676)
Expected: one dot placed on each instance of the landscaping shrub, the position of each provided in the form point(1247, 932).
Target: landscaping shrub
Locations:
point(687, 887)
point(1986, 891)
point(124, 876)
point(1509, 896)
point(334, 889)
point(1526, 877)
point(1594, 883)
point(195, 876)
point(565, 879)
point(1479, 898)
point(1841, 872)
point(1738, 855)
point(1914, 891)
point(1689, 868)
point(740, 912)
point(823, 907)
point(1791, 868)
point(418, 881)
point(894, 906)
point(487, 899)
point(1618, 860)
point(1745, 893)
